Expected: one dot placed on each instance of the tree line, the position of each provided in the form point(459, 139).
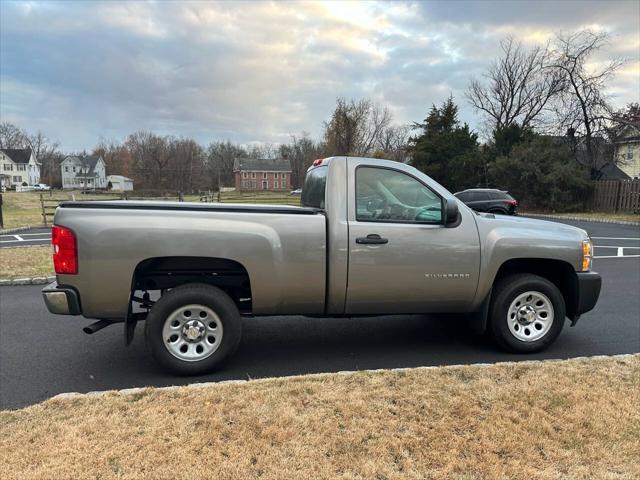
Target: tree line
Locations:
point(547, 125)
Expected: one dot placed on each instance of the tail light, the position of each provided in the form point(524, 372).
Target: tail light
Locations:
point(512, 202)
point(65, 250)
point(317, 162)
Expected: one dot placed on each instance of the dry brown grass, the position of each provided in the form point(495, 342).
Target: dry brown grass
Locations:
point(21, 209)
point(565, 419)
point(620, 216)
point(26, 262)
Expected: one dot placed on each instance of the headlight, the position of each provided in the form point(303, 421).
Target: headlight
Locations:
point(587, 255)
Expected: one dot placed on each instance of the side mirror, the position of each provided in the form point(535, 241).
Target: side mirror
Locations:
point(451, 213)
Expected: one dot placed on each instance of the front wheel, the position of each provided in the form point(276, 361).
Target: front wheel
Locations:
point(527, 313)
point(193, 328)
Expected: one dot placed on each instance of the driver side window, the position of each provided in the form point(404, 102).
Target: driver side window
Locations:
point(384, 195)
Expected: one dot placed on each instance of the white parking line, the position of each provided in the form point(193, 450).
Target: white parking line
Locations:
point(22, 240)
point(619, 251)
point(19, 238)
point(29, 234)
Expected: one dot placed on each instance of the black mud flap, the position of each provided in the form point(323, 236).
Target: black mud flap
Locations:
point(478, 320)
point(129, 325)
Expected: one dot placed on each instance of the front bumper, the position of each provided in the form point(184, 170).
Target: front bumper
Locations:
point(61, 300)
point(589, 284)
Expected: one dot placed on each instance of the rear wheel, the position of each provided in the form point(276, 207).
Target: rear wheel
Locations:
point(193, 328)
point(527, 313)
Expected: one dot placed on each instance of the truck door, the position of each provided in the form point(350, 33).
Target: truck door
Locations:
point(402, 259)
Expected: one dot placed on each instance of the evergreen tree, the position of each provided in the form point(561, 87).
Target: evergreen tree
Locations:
point(446, 150)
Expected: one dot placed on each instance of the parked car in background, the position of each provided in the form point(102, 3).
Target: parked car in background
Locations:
point(41, 187)
point(489, 200)
point(297, 191)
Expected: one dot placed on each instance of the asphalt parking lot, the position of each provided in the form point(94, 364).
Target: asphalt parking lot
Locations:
point(43, 354)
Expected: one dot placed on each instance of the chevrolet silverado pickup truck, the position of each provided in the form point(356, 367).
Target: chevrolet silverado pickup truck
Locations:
point(371, 237)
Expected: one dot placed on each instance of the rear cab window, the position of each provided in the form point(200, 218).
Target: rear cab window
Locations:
point(314, 188)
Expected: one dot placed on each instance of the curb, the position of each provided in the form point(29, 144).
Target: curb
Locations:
point(7, 231)
point(6, 282)
point(583, 219)
point(28, 246)
point(138, 390)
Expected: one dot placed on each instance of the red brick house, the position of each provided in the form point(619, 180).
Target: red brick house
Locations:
point(262, 174)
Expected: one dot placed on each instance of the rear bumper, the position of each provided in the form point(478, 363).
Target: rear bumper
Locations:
point(61, 300)
point(589, 284)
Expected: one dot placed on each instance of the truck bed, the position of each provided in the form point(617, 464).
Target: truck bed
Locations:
point(285, 258)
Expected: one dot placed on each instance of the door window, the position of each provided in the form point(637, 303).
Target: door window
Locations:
point(384, 195)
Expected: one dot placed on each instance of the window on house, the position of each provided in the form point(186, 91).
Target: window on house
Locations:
point(8, 167)
point(245, 175)
point(275, 185)
point(275, 175)
point(264, 175)
point(629, 152)
point(283, 183)
point(74, 169)
point(21, 168)
point(17, 179)
point(253, 174)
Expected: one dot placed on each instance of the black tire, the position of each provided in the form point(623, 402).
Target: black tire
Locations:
point(208, 296)
point(504, 293)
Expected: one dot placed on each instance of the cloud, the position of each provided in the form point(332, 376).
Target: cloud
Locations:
point(258, 72)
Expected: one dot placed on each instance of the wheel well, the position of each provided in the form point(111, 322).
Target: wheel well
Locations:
point(558, 272)
point(163, 273)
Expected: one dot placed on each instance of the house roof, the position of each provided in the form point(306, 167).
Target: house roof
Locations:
point(119, 177)
point(262, 164)
point(89, 161)
point(18, 155)
point(603, 150)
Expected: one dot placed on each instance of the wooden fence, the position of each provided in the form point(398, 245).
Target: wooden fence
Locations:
point(617, 196)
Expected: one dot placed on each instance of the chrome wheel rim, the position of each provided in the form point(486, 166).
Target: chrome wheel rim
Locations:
point(192, 333)
point(530, 316)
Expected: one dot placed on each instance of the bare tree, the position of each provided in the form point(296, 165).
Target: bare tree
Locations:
point(393, 143)
point(355, 127)
point(301, 152)
point(584, 110)
point(219, 162)
point(517, 87)
point(150, 154)
point(48, 155)
point(12, 136)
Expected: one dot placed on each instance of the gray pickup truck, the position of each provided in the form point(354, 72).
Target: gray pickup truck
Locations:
point(372, 237)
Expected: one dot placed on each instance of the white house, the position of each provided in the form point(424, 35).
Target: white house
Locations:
point(627, 150)
point(84, 171)
point(18, 166)
point(120, 183)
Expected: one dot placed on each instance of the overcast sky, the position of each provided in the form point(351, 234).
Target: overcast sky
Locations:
point(258, 72)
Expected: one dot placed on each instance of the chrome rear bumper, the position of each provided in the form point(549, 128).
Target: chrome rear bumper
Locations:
point(61, 300)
